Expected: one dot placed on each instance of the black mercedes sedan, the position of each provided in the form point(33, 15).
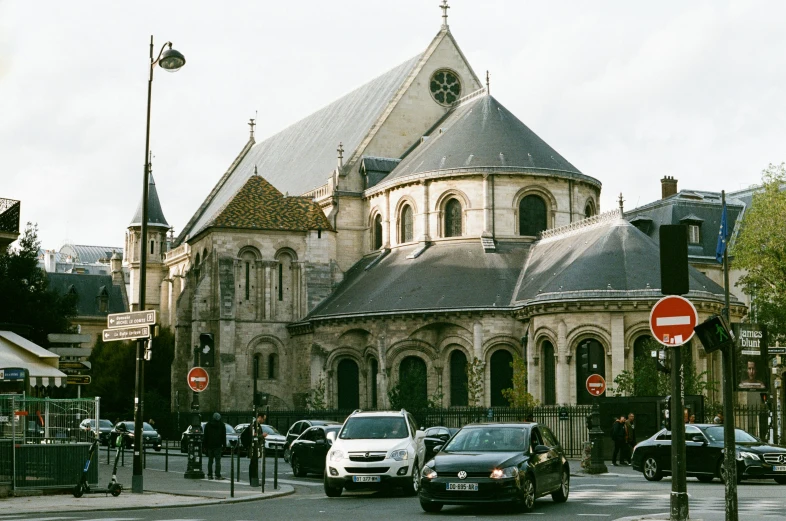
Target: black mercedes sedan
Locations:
point(309, 450)
point(704, 455)
point(496, 463)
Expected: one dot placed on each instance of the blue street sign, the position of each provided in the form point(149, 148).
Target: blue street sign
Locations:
point(12, 373)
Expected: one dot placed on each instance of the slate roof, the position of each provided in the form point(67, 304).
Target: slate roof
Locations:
point(481, 133)
point(155, 215)
point(259, 205)
point(446, 276)
point(611, 259)
point(302, 156)
point(88, 288)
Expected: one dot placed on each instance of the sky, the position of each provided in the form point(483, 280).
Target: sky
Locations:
point(628, 92)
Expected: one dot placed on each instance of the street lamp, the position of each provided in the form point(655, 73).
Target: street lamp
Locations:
point(170, 60)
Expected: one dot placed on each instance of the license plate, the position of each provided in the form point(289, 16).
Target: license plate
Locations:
point(779, 468)
point(468, 487)
point(365, 479)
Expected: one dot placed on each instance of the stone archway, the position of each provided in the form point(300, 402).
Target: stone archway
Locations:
point(501, 371)
point(348, 384)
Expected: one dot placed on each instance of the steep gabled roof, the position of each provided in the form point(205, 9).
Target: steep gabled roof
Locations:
point(88, 289)
point(155, 215)
point(259, 205)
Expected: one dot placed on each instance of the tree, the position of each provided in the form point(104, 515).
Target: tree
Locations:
point(26, 303)
point(410, 391)
point(517, 396)
point(760, 250)
point(316, 399)
point(475, 375)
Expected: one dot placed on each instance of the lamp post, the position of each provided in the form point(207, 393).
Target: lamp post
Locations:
point(169, 60)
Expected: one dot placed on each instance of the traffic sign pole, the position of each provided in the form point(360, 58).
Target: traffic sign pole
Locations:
point(679, 487)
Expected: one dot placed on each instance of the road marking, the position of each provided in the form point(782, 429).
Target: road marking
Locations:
point(672, 321)
point(594, 515)
point(577, 486)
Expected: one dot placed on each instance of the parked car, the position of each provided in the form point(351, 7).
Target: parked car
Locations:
point(433, 436)
point(232, 438)
point(272, 440)
point(704, 455)
point(104, 428)
point(374, 449)
point(150, 436)
point(502, 462)
point(309, 450)
point(298, 428)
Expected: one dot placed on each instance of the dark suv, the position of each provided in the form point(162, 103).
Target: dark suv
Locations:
point(298, 428)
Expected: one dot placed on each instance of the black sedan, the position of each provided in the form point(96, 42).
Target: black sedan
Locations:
point(492, 463)
point(434, 436)
point(104, 429)
point(298, 428)
point(308, 452)
point(150, 436)
point(704, 455)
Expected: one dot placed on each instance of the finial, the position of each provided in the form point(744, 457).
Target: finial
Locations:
point(150, 162)
point(252, 124)
point(621, 200)
point(340, 151)
point(255, 170)
point(444, 8)
point(488, 84)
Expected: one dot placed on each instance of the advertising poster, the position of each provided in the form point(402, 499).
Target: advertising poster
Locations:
point(751, 359)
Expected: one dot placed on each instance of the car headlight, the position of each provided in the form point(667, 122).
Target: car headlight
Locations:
point(428, 473)
point(399, 455)
point(336, 455)
point(747, 455)
point(508, 472)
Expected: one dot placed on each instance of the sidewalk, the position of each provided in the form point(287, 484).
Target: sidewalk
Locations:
point(161, 490)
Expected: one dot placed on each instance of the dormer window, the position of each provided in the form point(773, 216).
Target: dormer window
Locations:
point(694, 237)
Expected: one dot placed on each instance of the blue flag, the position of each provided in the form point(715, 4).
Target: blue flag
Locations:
point(723, 235)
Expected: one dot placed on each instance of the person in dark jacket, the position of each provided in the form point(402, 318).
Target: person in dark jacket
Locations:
point(618, 437)
point(215, 441)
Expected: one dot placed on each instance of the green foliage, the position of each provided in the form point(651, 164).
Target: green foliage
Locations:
point(316, 399)
point(25, 299)
point(517, 396)
point(410, 392)
point(475, 374)
point(760, 250)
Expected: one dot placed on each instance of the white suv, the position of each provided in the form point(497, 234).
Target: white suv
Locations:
point(373, 449)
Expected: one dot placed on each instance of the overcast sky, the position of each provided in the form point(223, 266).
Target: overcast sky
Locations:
point(626, 91)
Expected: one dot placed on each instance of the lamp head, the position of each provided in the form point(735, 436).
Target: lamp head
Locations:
point(171, 60)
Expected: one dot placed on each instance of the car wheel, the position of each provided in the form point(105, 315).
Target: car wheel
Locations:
point(412, 487)
point(722, 473)
point(158, 449)
point(286, 454)
point(652, 471)
point(705, 478)
point(332, 491)
point(297, 469)
point(430, 507)
point(561, 494)
point(780, 480)
point(527, 493)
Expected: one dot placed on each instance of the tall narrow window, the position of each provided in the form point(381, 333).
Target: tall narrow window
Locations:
point(532, 215)
point(453, 218)
point(501, 376)
point(280, 281)
point(458, 379)
point(406, 224)
point(348, 380)
point(373, 382)
point(272, 366)
point(152, 248)
point(377, 232)
point(589, 210)
point(549, 375)
point(694, 236)
point(248, 279)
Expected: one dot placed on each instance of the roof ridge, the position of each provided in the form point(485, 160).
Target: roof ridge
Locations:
point(579, 226)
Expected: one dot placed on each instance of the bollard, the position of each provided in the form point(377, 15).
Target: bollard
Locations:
point(122, 454)
point(107, 451)
point(237, 475)
point(231, 471)
point(144, 455)
point(275, 470)
point(166, 456)
point(264, 468)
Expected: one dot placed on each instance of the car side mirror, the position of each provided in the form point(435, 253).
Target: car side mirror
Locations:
point(331, 437)
point(540, 449)
point(437, 448)
point(698, 438)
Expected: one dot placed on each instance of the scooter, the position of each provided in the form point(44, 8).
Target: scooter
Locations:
point(114, 488)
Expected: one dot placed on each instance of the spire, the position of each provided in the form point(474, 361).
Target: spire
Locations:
point(340, 151)
point(444, 8)
point(621, 200)
point(252, 124)
point(488, 84)
point(255, 170)
point(155, 216)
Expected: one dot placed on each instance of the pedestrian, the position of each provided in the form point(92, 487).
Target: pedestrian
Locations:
point(630, 438)
point(215, 441)
point(718, 419)
point(618, 437)
point(256, 440)
point(692, 418)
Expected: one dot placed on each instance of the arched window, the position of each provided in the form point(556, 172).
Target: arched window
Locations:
point(348, 381)
point(413, 376)
point(501, 376)
point(549, 375)
point(377, 232)
point(458, 378)
point(405, 233)
point(195, 267)
point(589, 210)
point(255, 367)
point(272, 366)
point(591, 359)
point(372, 376)
point(453, 218)
point(532, 215)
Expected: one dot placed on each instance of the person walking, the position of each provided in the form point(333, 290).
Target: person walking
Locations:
point(618, 437)
point(256, 442)
point(214, 442)
point(630, 438)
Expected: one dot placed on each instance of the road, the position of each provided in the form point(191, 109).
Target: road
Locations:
point(609, 497)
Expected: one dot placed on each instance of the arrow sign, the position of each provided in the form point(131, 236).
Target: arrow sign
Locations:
point(78, 379)
point(596, 385)
point(136, 318)
point(129, 333)
point(64, 364)
point(198, 379)
point(672, 320)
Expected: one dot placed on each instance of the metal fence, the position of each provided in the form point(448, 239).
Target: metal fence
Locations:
point(42, 444)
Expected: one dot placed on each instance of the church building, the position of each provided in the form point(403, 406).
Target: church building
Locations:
point(414, 225)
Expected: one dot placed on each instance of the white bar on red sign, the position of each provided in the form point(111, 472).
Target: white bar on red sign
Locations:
point(672, 321)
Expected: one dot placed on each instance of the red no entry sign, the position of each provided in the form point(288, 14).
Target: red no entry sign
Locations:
point(198, 379)
point(672, 320)
point(596, 385)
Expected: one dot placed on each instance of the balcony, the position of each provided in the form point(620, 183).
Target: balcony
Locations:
point(9, 222)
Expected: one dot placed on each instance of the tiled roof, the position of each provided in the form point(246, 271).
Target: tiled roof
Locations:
point(259, 205)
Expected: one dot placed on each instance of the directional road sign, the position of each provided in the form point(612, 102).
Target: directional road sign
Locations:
point(136, 318)
point(68, 364)
point(672, 320)
point(197, 379)
point(596, 385)
point(128, 333)
point(78, 379)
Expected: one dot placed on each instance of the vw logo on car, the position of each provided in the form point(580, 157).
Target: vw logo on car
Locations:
point(462, 474)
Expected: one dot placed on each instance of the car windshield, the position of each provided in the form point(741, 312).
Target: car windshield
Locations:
point(334, 428)
point(229, 429)
point(374, 428)
point(147, 427)
point(103, 424)
point(268, 429)
point(716, 434)
point(488, 438)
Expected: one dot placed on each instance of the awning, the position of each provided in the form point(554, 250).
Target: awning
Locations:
point(41, 365)
point(47, 381)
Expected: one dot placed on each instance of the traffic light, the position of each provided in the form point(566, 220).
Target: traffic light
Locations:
point(667, 413)
point(585, 358)
point(674, 278)
point(206, 350)
point(713, 334)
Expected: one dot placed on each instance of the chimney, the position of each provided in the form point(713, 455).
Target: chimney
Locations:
point(49, 261)
point(116, 265)
point(668, 186)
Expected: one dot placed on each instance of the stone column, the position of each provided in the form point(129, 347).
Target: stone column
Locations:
point(487, 204)
point(426, 236)
point(530, 354)
point(386, 240)
point(477, 353)
point(563, 367)
point(382, 373)
point(617, 347)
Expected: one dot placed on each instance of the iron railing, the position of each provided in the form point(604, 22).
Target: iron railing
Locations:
point(9, 215)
